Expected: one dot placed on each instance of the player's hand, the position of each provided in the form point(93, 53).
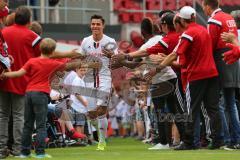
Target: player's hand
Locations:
point(119, 57)
point(148, 76)
point(115, 65)
point(157, 58)
point(108, 53)
point(95, 65)
point(76, 54)
point(228, 37)
point(233, 55)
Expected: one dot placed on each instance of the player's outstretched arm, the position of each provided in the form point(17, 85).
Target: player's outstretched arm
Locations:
point(71, 54)
point(13, 74)
point(169, 59)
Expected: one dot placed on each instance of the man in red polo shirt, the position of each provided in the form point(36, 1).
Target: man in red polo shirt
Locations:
point(229, 75)
point(195, 55)
point(22, 45)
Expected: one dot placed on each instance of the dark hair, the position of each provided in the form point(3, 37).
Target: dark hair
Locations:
point(147, 26)
point(23, 15)
point(95, 16)
point(160, 14)
point(178, 20)
point(167, 19)
point(53, 2)
point(214, 4)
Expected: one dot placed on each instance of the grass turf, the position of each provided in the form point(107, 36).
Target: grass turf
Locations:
point(131, 149)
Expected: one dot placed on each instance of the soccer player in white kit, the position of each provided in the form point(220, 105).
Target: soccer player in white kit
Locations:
point(93, 46)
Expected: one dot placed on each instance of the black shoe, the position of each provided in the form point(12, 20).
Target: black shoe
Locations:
point(183, 146)
point(4, 154)
point(15, 153)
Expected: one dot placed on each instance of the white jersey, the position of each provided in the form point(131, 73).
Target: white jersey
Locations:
point(90, 47)
point(167, 73)
point(76, 104)
point(69, 78)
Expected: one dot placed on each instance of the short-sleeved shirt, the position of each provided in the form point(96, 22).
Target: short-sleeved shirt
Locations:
point(218, 23)
point(76, 104)
point(195, 53)
point(69, 78)
point(90, 47)
point(23, 44)
point(40, 71)
point(167, 73)
point(166, 44)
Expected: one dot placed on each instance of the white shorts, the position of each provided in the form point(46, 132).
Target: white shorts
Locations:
point(102, 95)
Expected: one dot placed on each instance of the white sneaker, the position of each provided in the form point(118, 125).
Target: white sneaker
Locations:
point(159, 146)
point(147, 140)
point(70, 142)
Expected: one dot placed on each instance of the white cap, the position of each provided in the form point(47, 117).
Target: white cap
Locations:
point(186, 12)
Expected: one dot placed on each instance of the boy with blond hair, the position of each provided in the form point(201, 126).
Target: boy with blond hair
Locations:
point(39, 70)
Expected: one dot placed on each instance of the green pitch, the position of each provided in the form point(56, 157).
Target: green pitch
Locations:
point(131, 149)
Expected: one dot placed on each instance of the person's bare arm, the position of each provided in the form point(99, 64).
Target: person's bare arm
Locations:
point(123, 56)
point(71, 54)
point(138, 53)
point(168, 61)
point(82, 100)
point(176, 64)
point(78, 63)
point(132, 64)
point(14, 74)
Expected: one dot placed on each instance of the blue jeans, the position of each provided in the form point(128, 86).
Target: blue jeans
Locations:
point(228, 110)
point(36, 107)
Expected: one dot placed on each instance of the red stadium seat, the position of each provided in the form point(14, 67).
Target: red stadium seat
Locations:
point(136, 39)
point(124, 17)
point(153, 5)
point(137, 17)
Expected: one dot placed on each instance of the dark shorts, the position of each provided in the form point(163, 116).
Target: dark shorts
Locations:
point(78, 119)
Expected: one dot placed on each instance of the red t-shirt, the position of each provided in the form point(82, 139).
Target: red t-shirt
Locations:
point(218, 23)
point(23, 44)
point(39, 71)
point(195, 53)
point(166, 44)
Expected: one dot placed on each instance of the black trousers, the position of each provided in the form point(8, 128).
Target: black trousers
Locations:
point(175, 112)
point(208, 92)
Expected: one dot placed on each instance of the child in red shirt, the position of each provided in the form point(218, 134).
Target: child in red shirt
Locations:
point(39, 70)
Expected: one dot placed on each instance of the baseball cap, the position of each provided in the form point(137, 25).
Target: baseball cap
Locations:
point(167, 19)
point(4, 12)
point(186, 12)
